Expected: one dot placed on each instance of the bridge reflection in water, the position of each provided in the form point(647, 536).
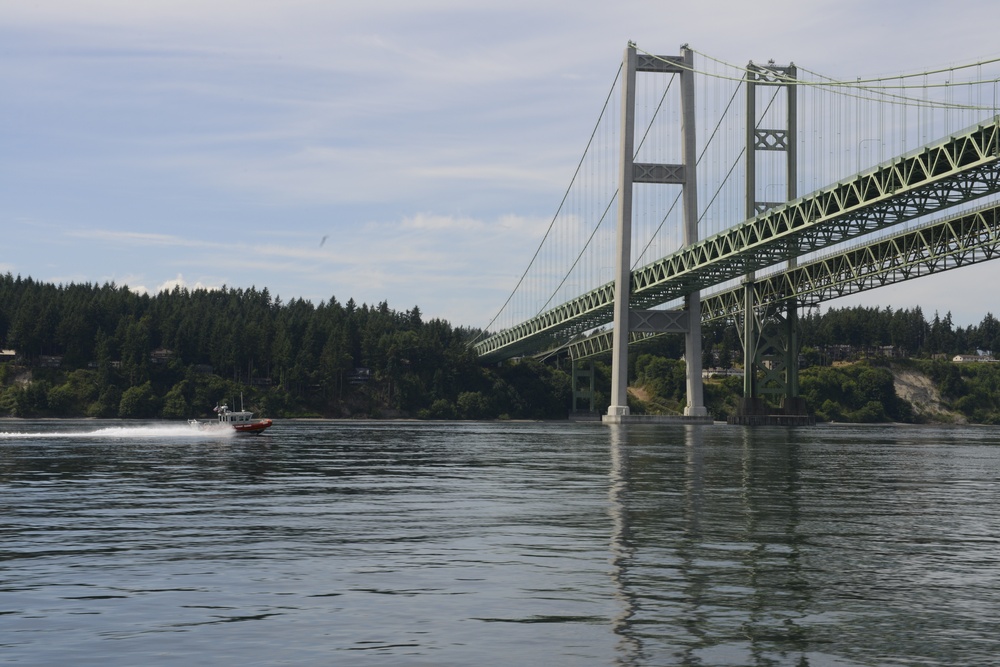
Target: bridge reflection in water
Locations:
point(798, 546)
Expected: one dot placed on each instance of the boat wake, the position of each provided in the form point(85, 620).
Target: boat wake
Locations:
point(129, 432)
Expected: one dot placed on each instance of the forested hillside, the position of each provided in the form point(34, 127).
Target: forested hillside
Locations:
point(106, 351)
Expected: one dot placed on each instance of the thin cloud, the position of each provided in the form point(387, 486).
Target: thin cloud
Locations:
point(136, 238)
point(193, 143)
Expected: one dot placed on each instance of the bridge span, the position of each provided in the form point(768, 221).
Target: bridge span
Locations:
point(956, 170)
point(766, 266)
point(960, 240)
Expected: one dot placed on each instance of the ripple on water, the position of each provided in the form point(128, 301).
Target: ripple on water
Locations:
point(455, 543)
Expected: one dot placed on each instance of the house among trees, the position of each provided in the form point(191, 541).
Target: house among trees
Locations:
point(50, 360)
point(360, 376)
point(161, 355)
point(973, 358)
point(709, 373)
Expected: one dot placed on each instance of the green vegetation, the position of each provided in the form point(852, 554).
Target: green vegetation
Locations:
point(104, 351)
point(850, 358)
point(856, 393)
point(972, 390)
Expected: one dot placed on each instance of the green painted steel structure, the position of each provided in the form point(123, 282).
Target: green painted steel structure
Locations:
point(961, 240)
point(959, 169)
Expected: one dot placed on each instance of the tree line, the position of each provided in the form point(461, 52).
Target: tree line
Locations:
point(106, 351)
point(178, 353)
point(908, 330)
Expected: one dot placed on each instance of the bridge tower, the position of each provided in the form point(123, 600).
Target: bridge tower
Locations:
point(770, 337)
point(678, 174)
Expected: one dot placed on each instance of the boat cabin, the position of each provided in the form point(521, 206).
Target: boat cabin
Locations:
point(226, 416)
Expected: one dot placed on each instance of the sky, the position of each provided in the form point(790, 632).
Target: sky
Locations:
point(388, 150)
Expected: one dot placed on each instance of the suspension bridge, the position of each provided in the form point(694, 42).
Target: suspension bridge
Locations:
point(900, 173)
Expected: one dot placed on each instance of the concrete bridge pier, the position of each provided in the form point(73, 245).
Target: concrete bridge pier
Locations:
point(684, 175)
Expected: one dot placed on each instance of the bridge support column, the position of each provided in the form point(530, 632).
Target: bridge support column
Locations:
point(692, 345)
point(583, 387)
point(623, 261)
point(769, 351)
point(749, 336)
point(692, 357)
point(792, 351)
point(684, 175)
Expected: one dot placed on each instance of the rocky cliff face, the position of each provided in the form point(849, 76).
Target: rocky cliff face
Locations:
point(918, 390)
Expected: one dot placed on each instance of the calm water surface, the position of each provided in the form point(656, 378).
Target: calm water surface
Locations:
point(374, 543)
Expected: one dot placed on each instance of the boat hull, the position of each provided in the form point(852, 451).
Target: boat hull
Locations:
point(254, 427)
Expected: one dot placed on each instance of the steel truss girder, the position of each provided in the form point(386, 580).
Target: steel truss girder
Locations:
point(942, 245)
point(600, 343)
point(761, 206)
point(643, 324)
point(968, 238)
point(584, 312)
point(959, 169)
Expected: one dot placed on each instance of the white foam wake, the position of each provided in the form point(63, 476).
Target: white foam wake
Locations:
point(150, 431)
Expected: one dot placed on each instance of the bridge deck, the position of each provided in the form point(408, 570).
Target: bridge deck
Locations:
point(959, 169)
point(941, 245)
